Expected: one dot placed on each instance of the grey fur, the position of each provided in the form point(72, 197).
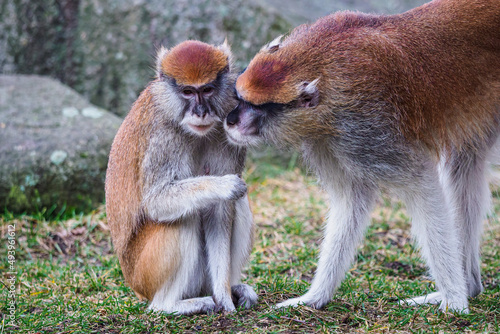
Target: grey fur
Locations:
point(193, 180)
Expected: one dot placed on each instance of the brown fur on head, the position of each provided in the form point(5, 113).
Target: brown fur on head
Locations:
point(193, 62)
point(276, 74)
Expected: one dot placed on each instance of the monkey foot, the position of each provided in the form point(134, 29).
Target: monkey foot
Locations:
point(185, 307)
point(303, 300)
point(458, 306)
point(225, 305)
point(244, 295)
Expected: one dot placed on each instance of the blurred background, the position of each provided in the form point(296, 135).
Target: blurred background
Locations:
point(70, 70)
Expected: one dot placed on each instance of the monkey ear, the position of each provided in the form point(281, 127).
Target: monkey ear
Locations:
point(226, 49)
point(273, 46)
point(309, 94)
point(162, 52)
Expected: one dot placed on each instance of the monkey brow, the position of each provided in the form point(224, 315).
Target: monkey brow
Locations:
point(270, 107)
point(216, 83)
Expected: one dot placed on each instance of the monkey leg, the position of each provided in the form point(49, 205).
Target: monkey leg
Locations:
point(351, 203)
point(169, 269)
point(437, 236)
point(241, 246)
point(466, 180)
point(217, 225)
point(152, 257)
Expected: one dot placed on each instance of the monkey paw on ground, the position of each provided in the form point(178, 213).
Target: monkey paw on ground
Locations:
point(244, 296)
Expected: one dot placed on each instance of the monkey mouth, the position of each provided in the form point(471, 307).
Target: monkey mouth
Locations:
point(233, 140)
point(238, 139)
point(201, 128)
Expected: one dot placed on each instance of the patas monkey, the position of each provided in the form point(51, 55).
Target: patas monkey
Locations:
point(178, 211)
point(408, 102)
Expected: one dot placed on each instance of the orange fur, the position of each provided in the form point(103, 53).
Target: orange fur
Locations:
point(197, 67)
point(266, 80)
point(133, 237)
point(153, 266)
point(437, 67)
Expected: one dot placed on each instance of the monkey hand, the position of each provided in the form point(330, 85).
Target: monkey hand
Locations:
point(233, 187)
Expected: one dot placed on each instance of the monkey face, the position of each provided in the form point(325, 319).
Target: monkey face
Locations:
point(277, 101)
point(195, 80)
point(199, 115)
point(197, 108)
point(246, 124)
point(250, 124)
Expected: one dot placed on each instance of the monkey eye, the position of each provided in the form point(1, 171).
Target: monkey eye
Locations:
point(208, 90)
point(187, 92)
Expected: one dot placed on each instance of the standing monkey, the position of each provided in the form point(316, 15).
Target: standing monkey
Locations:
point(407, 102)
point(178, 212)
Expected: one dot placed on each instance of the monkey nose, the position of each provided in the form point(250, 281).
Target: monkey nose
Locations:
point(200, 111)
point(233, 117)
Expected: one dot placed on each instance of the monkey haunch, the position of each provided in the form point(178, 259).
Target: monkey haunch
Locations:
point(179, 218)
point(408, 102)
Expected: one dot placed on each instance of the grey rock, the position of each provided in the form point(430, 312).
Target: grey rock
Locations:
point(105, 49)
point(54, 145)
point(70, 112)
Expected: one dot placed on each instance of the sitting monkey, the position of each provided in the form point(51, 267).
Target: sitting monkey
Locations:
point(178, 211)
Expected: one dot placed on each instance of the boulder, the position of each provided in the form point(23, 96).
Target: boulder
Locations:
point(105, 49)
point(54, 146)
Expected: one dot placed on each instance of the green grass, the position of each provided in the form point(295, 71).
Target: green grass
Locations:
point(69, 281)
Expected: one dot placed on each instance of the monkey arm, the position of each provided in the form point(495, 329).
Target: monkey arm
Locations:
point(169, 200)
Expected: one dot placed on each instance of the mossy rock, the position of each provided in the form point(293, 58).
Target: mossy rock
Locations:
point(55, 146)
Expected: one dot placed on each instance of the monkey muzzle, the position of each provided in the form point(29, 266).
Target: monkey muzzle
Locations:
point(243, 124)
point(233, 118)
point(200, 120)
point(246, 117)
point(200, 110)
